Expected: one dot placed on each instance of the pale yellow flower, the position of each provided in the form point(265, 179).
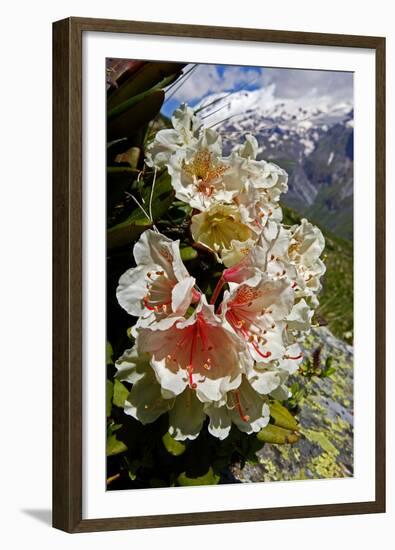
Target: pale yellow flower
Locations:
point(218, 227)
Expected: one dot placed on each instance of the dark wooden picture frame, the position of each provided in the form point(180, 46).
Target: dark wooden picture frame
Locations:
point(67, 274)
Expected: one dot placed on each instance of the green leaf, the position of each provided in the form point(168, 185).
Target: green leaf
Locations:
point(111, 170)
point(132, 466)
point(188, 253)
point(210, 478)
point(127, 105)
point(114, 428)
point(162, 197)
point(328, 369)
point(328, 362)
point(139, 112)
point(282, 417)
point(275, 434)
point(130, 229)
point(109, 353)
point(136, 99)
point(114, 446)
point(175, 448)
point(109, 394)
point(148, 76)
point(119, 181)
point(167, 81)
point(120, 393)
point(126, 232)
point(328, 372)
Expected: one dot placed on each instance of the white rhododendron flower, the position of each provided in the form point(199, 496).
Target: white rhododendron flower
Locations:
point(267, 177)
point(306, 245)
point(218, 364)
point(198, 173)
point(261, 184)
point(160, 283)
point(201, 352)
point(245, 408)
point(144, 402)
point(256, 313)
point(286, 253)
point(167, 142)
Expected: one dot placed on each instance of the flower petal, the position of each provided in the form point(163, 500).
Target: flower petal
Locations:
point(253, 413)
point(300, 316)
point(220, 421)
point(160, 150)
point(265, 379)
point(172, 379)
point(293, 357)
point(131, 366)
point(182, 295)
point(132, 289)
point(145, 401)
point(281, 393)
point(249, 149)
point(153, 248)
point(186, 417)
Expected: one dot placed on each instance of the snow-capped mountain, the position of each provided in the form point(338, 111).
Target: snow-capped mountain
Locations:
point(311, 138)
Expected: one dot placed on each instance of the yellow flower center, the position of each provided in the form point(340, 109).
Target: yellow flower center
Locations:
point(294, 247)
point(204, 171)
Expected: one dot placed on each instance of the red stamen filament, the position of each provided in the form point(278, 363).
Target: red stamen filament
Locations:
point(190, 336)
point(217, 290)
point(294, 358)
point(195, 330)
point(238, 324)
point(243, 416)
point(192, 384)
point(264, 355)
point(157, 307)
point(145, 300)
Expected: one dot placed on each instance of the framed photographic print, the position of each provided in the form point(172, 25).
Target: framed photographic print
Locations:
point(218, 275)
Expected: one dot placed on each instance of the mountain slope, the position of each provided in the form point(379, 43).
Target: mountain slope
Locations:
point(310, 138)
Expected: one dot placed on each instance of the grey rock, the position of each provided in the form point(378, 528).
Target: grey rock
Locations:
point(325, 415)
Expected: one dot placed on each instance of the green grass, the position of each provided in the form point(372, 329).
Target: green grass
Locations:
point(342, 221)
point(336, 298)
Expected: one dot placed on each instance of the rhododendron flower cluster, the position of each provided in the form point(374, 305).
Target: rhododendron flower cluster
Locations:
point(224, 356)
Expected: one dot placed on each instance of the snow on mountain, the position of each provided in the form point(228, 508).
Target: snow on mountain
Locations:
point(302, 114)
point(311, 138)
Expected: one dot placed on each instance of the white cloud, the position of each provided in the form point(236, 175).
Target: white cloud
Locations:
point(287, 83)
point(294, 83)
point(206, 79)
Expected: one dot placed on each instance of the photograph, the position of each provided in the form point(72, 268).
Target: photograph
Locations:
point(229, 276)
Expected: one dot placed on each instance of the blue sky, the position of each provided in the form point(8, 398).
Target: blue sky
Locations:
point(288, 83)
point(209, 79)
